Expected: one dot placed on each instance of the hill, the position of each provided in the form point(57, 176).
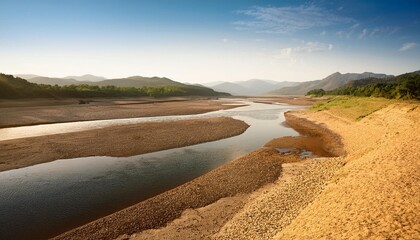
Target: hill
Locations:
point(137, 81)
point(248, 87)
point(26, 76)
point(404, 86)
point(54, 81)
point(232, 88)
point(15, 87)
point(134, 81)
point(331, 82)
point(86, 77)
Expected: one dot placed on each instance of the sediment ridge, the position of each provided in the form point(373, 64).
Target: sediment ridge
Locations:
point(116, 141)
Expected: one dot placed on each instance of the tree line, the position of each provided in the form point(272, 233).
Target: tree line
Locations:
point(405, 86)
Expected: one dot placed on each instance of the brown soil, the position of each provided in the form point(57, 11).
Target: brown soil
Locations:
point(126, 140)
point(20, 113)
point(242, 176)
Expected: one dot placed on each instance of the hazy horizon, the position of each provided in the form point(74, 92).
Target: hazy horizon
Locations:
point(208, 41)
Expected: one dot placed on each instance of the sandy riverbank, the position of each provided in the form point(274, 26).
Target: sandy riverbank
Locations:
point(41, 111)
point(118, 141)
point(371, 192)
point(228, 185)
point(376, 194)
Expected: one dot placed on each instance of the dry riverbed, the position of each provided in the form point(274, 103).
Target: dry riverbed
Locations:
point(41, 111)
point(229, 185)
point(370, 192)
point(118, 141)
point(363, 182)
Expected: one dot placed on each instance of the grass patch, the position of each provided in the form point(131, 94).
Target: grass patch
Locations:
point(352, 108)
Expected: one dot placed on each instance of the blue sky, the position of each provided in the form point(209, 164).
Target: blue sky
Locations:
point(204, 41)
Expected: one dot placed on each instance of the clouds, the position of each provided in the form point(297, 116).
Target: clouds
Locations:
point(407, 46)
point(363, 33)
point(308, 47)
point(354, 26)
point(287, 20)
point(366, 32)
point(292, 53)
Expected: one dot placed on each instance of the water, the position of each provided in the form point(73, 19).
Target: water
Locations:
point(47, 199)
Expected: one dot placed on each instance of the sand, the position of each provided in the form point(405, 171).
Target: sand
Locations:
point(376, 194)
point(41, 111)
point(229, 185)
point(117, 141)
point(370, 192)
point(364, 185)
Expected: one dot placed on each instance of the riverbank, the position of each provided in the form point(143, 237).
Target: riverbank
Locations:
point(370, 192)
point(376, 194)
point(116, 141)
point(234, 180)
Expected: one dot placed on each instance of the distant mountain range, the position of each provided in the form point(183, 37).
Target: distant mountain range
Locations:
point(16, 87)
point(331, 82)
point(134, 81)
point(249, 87)
point(26, 76)
point(87, 77)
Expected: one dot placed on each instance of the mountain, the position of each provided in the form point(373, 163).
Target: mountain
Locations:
point(15, 87)
point(26, 76)
point(331, 82)
point(232, 88)
point(53, 81)
point(404, 86)
point(248, 87)
point(87, 77)
point(135, 81)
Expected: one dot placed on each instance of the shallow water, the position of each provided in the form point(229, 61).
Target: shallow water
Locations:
point(46, 199)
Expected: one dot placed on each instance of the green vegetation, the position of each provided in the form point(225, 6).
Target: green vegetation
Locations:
point(352, 108)
point(331, 82)
point(405, 86)
point(316, 92)
point(12, 87)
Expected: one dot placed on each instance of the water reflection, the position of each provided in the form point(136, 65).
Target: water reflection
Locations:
point(46, 199)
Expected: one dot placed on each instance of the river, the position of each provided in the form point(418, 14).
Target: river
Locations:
point(44, 200)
